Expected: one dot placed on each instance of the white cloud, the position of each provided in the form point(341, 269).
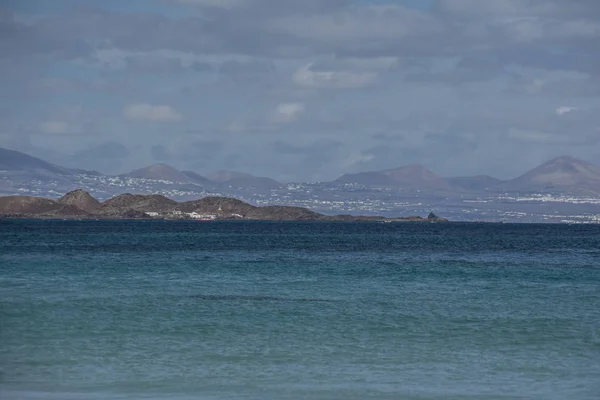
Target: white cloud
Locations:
point(54, 127)
point(149, 112)
point(565, 110)
point(287, 112)
point(305, 76)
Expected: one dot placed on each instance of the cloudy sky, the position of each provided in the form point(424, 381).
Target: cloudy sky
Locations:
point(301, 89)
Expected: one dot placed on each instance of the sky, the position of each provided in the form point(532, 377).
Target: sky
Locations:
point(301, 90)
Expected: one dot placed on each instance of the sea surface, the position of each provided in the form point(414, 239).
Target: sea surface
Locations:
point(259, 310)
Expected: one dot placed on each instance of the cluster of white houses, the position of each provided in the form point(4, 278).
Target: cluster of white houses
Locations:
point(181, 214)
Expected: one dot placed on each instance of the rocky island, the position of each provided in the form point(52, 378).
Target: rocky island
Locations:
point(79, 204)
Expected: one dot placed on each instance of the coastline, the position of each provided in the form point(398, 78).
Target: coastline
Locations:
point(80, 205)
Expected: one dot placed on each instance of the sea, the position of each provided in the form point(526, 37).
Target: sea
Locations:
point(298, 310)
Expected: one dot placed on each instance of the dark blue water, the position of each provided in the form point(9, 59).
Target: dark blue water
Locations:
point(254, 310)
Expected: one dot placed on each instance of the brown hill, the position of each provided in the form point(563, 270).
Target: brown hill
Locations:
point(565, 174)
point(38, 206)
point(137, 202)
point(81, 199)
point(225, 207)
point(27, 205)
point(66, 211)
point(284, 213)
point(217, 206)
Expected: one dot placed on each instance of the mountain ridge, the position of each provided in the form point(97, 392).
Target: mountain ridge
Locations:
point(406, 176)
point(560, 173)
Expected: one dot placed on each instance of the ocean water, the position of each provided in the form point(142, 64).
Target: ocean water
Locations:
point(257, 310)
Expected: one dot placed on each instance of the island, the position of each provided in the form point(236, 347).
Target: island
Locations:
point(79, 204)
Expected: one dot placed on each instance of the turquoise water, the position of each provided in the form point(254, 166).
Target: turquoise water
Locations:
point(241, 310)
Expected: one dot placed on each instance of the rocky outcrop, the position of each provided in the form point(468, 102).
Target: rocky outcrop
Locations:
point(134, 214)
point(220, 206)
point(81, 199)
point(27, 205)
point(137, 202)
point(284, 213)
point(30, 206)
point(66, 211)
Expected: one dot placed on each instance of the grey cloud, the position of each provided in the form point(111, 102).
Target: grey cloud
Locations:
point(157, 64)
point(468, 69)
point(564, 85)
point(270, 7)
point(250, 71)
point(387, 137)
point(589, 87)
point(537, 57)
point(519, 60)
point(469, 9)
point(24, 40)
point(576, 128)
point(277, 28)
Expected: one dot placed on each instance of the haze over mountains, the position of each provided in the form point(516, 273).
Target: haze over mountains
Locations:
point(565, 173)
point(385, 190)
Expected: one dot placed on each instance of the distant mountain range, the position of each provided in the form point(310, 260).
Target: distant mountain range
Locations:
point(23, 167)
point(562, 174)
